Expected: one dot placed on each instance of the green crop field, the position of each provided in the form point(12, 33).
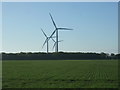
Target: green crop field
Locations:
point(60, 74)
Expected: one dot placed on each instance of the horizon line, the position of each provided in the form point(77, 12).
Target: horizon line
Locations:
point(58, 52)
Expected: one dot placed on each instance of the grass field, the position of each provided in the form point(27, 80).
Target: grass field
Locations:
point(60, 74)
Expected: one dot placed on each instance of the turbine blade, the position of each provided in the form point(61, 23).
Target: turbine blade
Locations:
point(53, 20)
point(53, 40)
point(52, 37)
point(52, 34)
point(44, 42)
point(54, 45)
point(60, 41)
point(64, 28)
point(43, 32)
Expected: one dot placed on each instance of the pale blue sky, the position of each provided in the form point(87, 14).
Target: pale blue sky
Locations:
point(95, 26)
point(0, 26)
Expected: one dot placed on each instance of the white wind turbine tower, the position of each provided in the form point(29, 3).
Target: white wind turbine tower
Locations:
point(56, 31)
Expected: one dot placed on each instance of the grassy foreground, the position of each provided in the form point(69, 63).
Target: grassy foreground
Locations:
point(60, 74)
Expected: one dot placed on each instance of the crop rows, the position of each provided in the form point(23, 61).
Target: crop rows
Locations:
point(60, 74)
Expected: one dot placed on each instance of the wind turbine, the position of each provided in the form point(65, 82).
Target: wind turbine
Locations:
point(46, 41)
point(56, 30)
point(55, 42)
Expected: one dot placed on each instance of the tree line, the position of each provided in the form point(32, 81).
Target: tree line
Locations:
point(58, 56)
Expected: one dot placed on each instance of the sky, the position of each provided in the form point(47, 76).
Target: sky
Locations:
point(0, 26)
point(60, 0)
point(94, 24)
